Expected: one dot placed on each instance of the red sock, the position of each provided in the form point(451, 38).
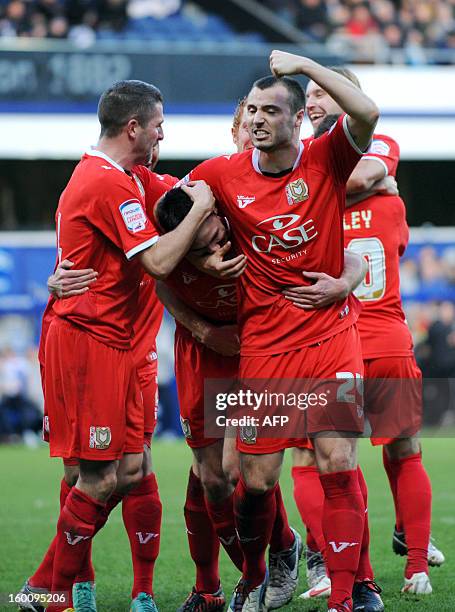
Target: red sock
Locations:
point(142, 511)
point(75, 528)
point(342, 522)
point(309, 498)
point(254, 518)
point(43, 575)
point(87, 572)
point(392, 469)
point(282, 537)
point(414, 502)
point(364, 571)
point(202, 539)
point(222, 516)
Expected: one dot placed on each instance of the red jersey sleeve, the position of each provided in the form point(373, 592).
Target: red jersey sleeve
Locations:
point(386, 151)
point(120, 216)
point(153, 188)
point(336, 151)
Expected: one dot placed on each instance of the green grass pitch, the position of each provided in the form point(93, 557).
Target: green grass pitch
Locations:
point(28, 512)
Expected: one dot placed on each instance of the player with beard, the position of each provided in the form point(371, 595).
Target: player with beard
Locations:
point(375, 226)
point(277, 178)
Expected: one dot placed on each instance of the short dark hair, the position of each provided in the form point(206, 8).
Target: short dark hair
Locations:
point(173, 208)
point(124, 101)
point(295, 90)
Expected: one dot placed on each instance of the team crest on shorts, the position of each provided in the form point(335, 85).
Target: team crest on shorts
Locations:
point(297, 191)
point(185, 423)
point(100, 437)
point(248, 435)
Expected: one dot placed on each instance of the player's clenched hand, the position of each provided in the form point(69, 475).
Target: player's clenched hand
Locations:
point(215, 264)
point(202, 196)
point(387, 186)
point(223, 340)
point(326, 290)
point(282, 63)
point(65, 282)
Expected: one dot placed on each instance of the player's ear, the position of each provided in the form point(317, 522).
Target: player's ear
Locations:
point(132, 128)
point(299, 117)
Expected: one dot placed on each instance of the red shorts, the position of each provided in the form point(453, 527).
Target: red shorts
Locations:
point(194, 362)
point(393, 398)
point(340, 354)
point(93, 397)
point(148, 381)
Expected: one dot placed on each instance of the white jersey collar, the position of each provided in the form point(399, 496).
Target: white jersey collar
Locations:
point(256, 152)
point(95, 153)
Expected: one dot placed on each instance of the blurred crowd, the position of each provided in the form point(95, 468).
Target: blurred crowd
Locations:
point(371, 29)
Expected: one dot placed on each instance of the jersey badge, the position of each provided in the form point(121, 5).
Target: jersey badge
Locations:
point(100, 437)
point(133, 215)
point(243, 201)
point(379, 147)
point(185, 423)
point(297, 191)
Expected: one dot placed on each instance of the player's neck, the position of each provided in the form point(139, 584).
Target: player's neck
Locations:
point(115, 150)
point(279, 160)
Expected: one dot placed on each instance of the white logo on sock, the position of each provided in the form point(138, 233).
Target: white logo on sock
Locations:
point(73, 540)
point(147, 538)
point(342, 546)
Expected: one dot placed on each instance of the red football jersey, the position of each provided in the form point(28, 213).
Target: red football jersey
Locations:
point(285, 225)
point(213, 298)
point(101, 224)
point(376, 228)
point(149, 309)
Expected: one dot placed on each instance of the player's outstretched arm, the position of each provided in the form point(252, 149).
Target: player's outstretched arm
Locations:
point(362, 112)
point(65, 282)
point(160, 259)
point(223, 340)
point(326, 289)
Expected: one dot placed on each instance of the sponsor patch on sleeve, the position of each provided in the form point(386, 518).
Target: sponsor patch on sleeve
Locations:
point(133, 215)
point(379, 147)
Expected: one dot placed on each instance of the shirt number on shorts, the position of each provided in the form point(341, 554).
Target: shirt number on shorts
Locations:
point(373, 285)
point(351, 389)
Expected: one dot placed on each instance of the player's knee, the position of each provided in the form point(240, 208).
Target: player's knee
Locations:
point(232, 472)
point(105, 484)
point(402, 448)
point(259, 484)
point(71, 474)
point(216, 486)
point(338, 460)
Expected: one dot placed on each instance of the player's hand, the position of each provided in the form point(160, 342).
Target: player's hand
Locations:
point(65, 282)
point(325, 291)
point(215, 264)
point(387, 186)
point(202, 196)
point(223, 340)
point(282, 63)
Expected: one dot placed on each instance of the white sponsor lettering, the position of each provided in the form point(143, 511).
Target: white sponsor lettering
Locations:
point(342, 546)
point(133, 215)
point(146, 539)
point(283, 232)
